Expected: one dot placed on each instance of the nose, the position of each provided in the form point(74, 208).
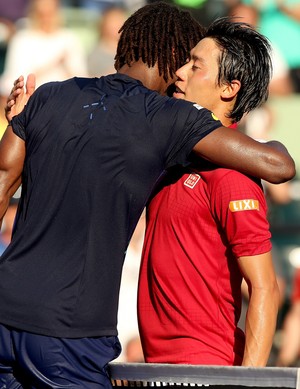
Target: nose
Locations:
point(181, 72)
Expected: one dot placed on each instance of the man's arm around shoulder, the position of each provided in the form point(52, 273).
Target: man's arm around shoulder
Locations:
point(232, 149)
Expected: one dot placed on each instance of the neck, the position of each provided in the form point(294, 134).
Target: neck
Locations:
point(149, 77)
point(221, 113)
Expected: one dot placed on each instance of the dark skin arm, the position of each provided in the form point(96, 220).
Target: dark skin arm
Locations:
point(12, 148)
point(233, 149)
point(225, 146)
point(12, 154)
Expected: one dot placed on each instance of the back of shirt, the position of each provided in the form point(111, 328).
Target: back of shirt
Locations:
point(95, 149)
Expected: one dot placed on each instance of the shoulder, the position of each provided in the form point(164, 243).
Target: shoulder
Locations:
point(68, 86)
point(50, 92)
point(221, 179)
point(181, 113)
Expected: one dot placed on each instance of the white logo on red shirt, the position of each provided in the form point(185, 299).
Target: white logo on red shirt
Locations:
point(192, 180)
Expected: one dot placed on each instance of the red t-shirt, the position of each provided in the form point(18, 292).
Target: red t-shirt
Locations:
point(189, 298)
point(295, 296)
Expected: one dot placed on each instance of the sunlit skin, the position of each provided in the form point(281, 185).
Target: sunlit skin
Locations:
point(198, 81)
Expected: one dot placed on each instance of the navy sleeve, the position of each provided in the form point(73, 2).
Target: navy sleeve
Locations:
point(187, 123)
point(37, 101)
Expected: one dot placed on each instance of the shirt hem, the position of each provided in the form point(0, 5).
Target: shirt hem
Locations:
point(63, 333)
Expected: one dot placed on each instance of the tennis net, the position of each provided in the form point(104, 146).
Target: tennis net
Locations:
point(149, 375)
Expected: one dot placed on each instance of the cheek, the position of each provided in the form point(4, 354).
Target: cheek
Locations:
point(207, 82)
point(205, 89)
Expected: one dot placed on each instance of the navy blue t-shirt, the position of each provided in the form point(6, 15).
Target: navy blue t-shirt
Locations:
point(95, 149)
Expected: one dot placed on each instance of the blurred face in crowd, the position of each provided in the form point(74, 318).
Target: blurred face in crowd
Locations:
point(45, 14)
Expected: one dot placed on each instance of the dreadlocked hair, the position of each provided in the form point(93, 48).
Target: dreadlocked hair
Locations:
point(158, 33)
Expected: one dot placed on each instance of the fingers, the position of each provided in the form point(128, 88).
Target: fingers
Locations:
point(19, 79)
point(19, 95)
point(11, 100)
point(9, 104)
point(18, 83)
point(17, 89)
point(30, 84)
point(7, 108)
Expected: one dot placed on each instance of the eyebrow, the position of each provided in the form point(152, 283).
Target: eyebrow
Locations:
point(196, 58)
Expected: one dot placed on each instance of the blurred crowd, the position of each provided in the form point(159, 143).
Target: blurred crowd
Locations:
point(57, 40)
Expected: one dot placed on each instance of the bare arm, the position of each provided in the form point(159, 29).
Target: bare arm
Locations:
point(262, 310)
point(12, 148)
point(233, 149)
point(12, 154)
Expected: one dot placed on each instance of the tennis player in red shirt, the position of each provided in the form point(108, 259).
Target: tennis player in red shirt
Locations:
point(208, 228)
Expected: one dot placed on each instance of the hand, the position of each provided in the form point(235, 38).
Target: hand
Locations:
point(19, 96)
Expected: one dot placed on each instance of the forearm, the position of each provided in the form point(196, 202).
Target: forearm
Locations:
point(282, 161)
point(6, 192)
point(260, 325)
point(12, 154)
point(232, 149)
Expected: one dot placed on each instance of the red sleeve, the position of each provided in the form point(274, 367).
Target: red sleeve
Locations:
point(240, 208)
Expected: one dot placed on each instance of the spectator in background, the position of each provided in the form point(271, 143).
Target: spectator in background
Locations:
point(281, 83)
point(101, 6)
point(44, 47)
point(11, 13)
point(289, 351)
point(13, 10)
point(279, 20)
point(133, 350)
point(204, 11)
point(101, 58)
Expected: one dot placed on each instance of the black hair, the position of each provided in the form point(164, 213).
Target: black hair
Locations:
point(158, 33)
point(245, 56)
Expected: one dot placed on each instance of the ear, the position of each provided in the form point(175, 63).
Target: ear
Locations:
point(230, 90)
